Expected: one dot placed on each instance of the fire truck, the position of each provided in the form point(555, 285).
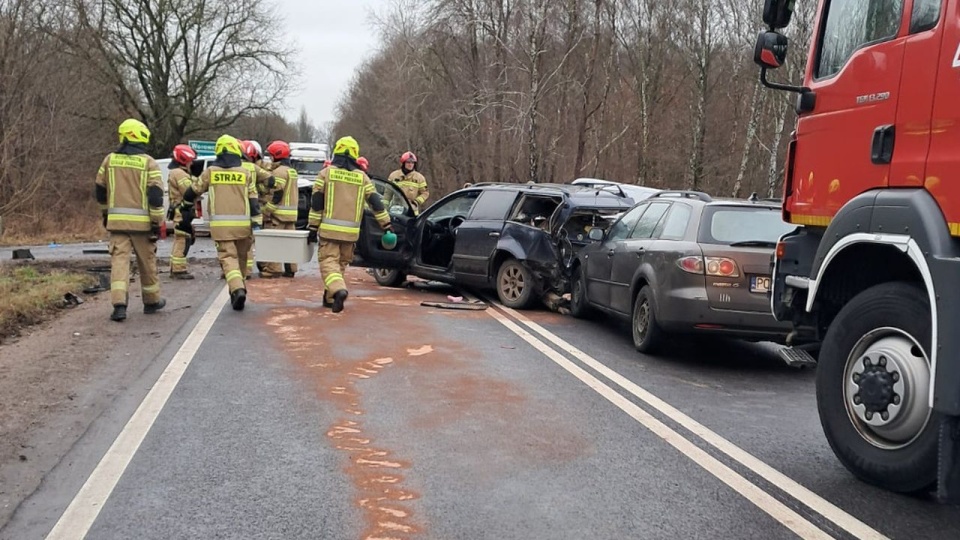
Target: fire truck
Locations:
point(870, 278)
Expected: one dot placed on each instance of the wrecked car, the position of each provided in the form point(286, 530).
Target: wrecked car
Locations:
point(517, 239)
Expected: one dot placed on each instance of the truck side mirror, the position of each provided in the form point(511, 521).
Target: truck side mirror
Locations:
point(771, 50)
point(595, 234)
point(777, 13)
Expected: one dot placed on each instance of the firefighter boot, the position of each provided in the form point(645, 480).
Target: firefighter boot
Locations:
point(338, 300)
point(119, 313)
point(150, 309)
point(238, 298)
point(288, 271)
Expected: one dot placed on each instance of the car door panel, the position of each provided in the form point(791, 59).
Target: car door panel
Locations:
point(370, 251)
point(477, 238)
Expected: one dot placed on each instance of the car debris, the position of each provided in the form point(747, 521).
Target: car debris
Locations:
point(461, 306)
point(22, 254)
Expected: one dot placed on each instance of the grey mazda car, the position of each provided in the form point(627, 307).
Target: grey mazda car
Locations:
point(682, 262)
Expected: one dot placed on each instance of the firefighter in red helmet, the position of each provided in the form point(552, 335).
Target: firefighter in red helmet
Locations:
point(178, 180)
point(411, 182)
point(280, 212)
point(253, 163)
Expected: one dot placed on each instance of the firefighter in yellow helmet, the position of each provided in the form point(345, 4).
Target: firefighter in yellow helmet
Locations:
point(280, 211)
point(234, 212)
point(336, 212)
point(129, 189)
point(412, 183)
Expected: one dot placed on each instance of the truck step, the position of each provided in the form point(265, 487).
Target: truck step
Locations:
point(795, 357)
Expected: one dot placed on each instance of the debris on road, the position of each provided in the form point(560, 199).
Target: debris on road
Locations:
point(463, 306)
point(22, 254)
point(70, 300)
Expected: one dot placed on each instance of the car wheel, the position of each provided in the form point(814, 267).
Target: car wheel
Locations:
point(389, 278)
point(515, 285)
point(873, 381)
point(647, 335)
point(579, 307)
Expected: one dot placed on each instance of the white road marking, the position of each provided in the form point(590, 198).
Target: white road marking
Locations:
point(763, 500)
point(813, 501)
point(85, 507)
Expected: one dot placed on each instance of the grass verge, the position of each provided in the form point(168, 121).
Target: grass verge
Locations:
point(32, 294)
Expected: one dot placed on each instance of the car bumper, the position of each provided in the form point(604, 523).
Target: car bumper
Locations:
point(687, 310)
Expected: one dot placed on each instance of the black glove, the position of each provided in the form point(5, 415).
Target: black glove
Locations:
point(312, 237)
point(171, 212)
point(154, 232)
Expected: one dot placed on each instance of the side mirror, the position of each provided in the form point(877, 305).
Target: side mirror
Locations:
point(771, 50)
point(777, 13)
point(595, 234)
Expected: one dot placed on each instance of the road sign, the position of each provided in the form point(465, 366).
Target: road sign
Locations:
point(203, 148)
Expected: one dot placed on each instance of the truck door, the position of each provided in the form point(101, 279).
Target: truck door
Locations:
point(844, 145)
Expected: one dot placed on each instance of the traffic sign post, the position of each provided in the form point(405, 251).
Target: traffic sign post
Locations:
point(203, 148)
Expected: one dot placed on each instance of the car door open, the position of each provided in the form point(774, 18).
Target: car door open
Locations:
point(370, 250)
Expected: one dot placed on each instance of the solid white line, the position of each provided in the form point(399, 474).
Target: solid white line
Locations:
point(813, 501)
point(85, 507)
point(763, 500)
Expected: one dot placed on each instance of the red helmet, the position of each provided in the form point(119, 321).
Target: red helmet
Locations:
point(327, 163)
point(184, 155)
point(408, 156)
point(363, 163)
point(250, 149)
point(278, 150)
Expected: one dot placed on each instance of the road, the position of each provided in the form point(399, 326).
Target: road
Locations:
point(394, 420)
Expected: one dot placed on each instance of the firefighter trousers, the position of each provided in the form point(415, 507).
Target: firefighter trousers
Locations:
point(178, 254)
point(248, 270)
point(334, 256)
point(122, 246)
point(233, 257)
point(270, 269)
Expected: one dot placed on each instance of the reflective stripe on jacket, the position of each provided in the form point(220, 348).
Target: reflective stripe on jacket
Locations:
point(228, 201)
point(126, 178)
point(178, 180)
point(286, 210)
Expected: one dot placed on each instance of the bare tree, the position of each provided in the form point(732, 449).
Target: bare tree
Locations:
point(183, 66)
point(306, 131)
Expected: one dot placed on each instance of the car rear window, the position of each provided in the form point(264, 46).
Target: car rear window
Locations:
point(733, 224)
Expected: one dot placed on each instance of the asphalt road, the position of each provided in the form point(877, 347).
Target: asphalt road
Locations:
point(394, 420)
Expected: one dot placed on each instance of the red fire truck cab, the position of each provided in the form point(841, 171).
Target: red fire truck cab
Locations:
point(870, 278)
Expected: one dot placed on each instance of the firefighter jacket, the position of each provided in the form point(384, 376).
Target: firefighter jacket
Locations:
point(413, 185)
point(232, 201)
point(338, 202)
point(178, 180)
point(282, 200)
point(129, 188)
point(261, 177)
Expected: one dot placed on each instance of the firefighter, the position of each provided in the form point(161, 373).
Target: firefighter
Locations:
point(234, 210)
point(253, 162)
point(129, 189)
point(336, 211)
point(178, 180)
point(280, 212)
point(411, 182)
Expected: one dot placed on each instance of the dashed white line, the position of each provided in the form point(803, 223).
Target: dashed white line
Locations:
point(85, 507)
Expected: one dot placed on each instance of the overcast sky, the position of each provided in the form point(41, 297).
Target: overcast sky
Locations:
point(334, 37)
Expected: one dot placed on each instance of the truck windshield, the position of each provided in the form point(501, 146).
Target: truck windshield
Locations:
point(742, 225)
point(311, 168)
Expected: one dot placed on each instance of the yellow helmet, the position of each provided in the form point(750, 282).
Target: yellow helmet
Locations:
point(134, 131)
point(348, 146)
point(229, 145)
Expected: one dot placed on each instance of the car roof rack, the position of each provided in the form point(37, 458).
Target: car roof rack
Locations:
point(756, 198)
point(686, 194)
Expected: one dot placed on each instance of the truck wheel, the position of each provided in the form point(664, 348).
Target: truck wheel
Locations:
point(579, 307)
point(515, 285)
point(389, 278)
point(647, 335)
point(873, 382)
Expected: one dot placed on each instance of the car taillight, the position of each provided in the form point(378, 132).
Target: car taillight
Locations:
point(711, 266)
point(722, 266)
point(693, 264)
point(781, 250)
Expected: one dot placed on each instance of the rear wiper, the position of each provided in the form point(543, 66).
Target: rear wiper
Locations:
point(754, 243)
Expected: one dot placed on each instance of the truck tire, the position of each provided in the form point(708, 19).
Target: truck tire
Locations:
point(647, 334)
point(515, 285)
point(389, 278)
point(873, 363)
point(579, 307)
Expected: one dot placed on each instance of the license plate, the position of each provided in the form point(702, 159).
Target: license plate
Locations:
point(759, 284)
